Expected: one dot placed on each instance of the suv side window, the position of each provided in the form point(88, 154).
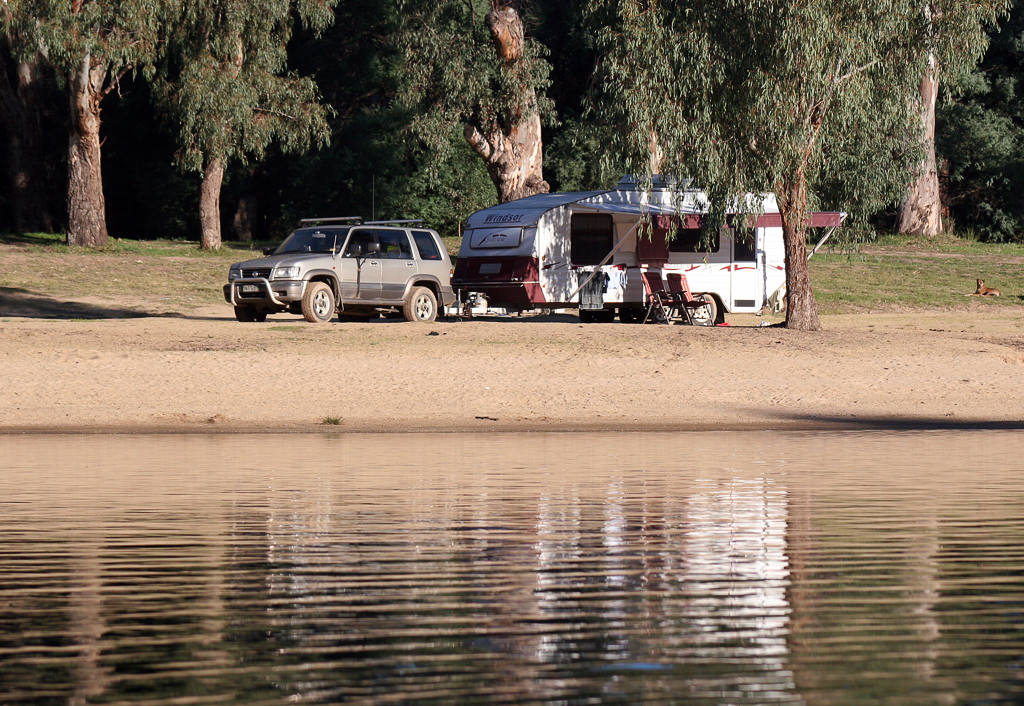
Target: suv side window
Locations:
point(362, 238)
point(426, 245)
point(394, 244)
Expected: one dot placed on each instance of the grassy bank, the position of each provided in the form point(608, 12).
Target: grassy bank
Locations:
point(893, 274)
point(178, 272)
point(918, 273)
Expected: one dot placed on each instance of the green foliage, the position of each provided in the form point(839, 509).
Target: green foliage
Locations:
point(744, 96)
point(446, 199)
point(224, 85)
point(116, 35)
point(711, 80)
point(980, 135)
point(370, 171)
point(579, 160)
point(451, 76)
point(146, 196)
point(755, 96)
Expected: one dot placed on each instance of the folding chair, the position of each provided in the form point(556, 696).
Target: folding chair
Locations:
point(659, 301)
point(686, 303)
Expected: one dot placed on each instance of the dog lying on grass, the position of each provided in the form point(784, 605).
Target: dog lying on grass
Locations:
point(983, 291)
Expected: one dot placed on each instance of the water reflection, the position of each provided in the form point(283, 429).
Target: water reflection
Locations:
point(678, 568)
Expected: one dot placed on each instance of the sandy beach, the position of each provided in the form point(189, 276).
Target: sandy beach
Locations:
point(150, 367)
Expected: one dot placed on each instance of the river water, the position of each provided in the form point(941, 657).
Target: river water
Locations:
point(690, 568)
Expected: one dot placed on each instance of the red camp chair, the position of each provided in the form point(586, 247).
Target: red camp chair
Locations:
point(660, 301)
point(686, 303)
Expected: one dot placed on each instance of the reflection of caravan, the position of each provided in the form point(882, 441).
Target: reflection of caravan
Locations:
point(543, 251)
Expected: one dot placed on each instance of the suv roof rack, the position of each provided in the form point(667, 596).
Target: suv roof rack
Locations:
point(386, 223)
point(357, 219)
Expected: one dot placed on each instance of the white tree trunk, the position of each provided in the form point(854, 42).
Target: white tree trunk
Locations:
point(514, 159)
point(921, 210)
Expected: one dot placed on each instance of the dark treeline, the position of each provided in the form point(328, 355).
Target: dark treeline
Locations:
point(403, 123)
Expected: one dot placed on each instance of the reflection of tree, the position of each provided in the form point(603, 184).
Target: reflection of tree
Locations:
point(884, 572)
point(87, 623)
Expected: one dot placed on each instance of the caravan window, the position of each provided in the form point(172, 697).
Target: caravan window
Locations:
point(495, 238)
point(592, 238)
point(689, 240)
point(744, 241)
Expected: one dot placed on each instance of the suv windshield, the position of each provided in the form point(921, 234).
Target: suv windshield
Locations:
point(322, 240)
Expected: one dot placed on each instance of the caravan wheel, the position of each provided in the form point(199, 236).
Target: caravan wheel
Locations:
point(707, 314)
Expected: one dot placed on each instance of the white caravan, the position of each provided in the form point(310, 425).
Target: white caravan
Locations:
point(568, 250)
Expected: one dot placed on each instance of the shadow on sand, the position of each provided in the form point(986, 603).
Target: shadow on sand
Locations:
point(901, 423)
point(22, 303)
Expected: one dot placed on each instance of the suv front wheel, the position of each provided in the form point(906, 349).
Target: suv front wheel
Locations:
point(318, 303)
point(420, 306)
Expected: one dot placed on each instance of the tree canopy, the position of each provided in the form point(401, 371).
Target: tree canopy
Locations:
point(732, 94)
point(748, 96)
point(981, 138)
point(470, 66)
point(224, 89)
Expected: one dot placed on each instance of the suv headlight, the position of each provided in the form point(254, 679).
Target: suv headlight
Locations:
point(291, 272)
point(233, 274)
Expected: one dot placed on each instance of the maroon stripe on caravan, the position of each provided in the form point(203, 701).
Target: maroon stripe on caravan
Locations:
point(818, 219)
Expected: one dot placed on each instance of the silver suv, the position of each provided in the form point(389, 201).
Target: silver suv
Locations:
point(343, 265)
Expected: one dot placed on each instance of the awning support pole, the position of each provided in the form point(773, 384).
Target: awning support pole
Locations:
point(826, 237)
point(822, 241)
point(605, 260)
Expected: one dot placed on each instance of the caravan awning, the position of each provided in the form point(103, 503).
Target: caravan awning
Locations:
point(661, 215)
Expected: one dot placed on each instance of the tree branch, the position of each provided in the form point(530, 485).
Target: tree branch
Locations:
point(855, 71)
point(116, 82)
point(268, 111)
point(478, 142)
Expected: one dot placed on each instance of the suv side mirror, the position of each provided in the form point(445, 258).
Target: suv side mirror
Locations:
point(354, 250)
point(373, 247)
point(270, 250)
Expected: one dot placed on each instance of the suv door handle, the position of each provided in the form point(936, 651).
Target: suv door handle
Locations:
point(410, 264)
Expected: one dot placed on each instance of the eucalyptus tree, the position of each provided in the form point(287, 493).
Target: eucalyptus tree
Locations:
point(91, 45)
point(225, 89)
point(955, 39)
point(21, 110)
point(469, 64)
point(755, 96)
point(980, 137)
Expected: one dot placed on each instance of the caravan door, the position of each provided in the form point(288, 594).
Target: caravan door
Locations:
point(747, 281)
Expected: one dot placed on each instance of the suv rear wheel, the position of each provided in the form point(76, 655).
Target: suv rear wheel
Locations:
point(318, 303)
point(420, 306)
